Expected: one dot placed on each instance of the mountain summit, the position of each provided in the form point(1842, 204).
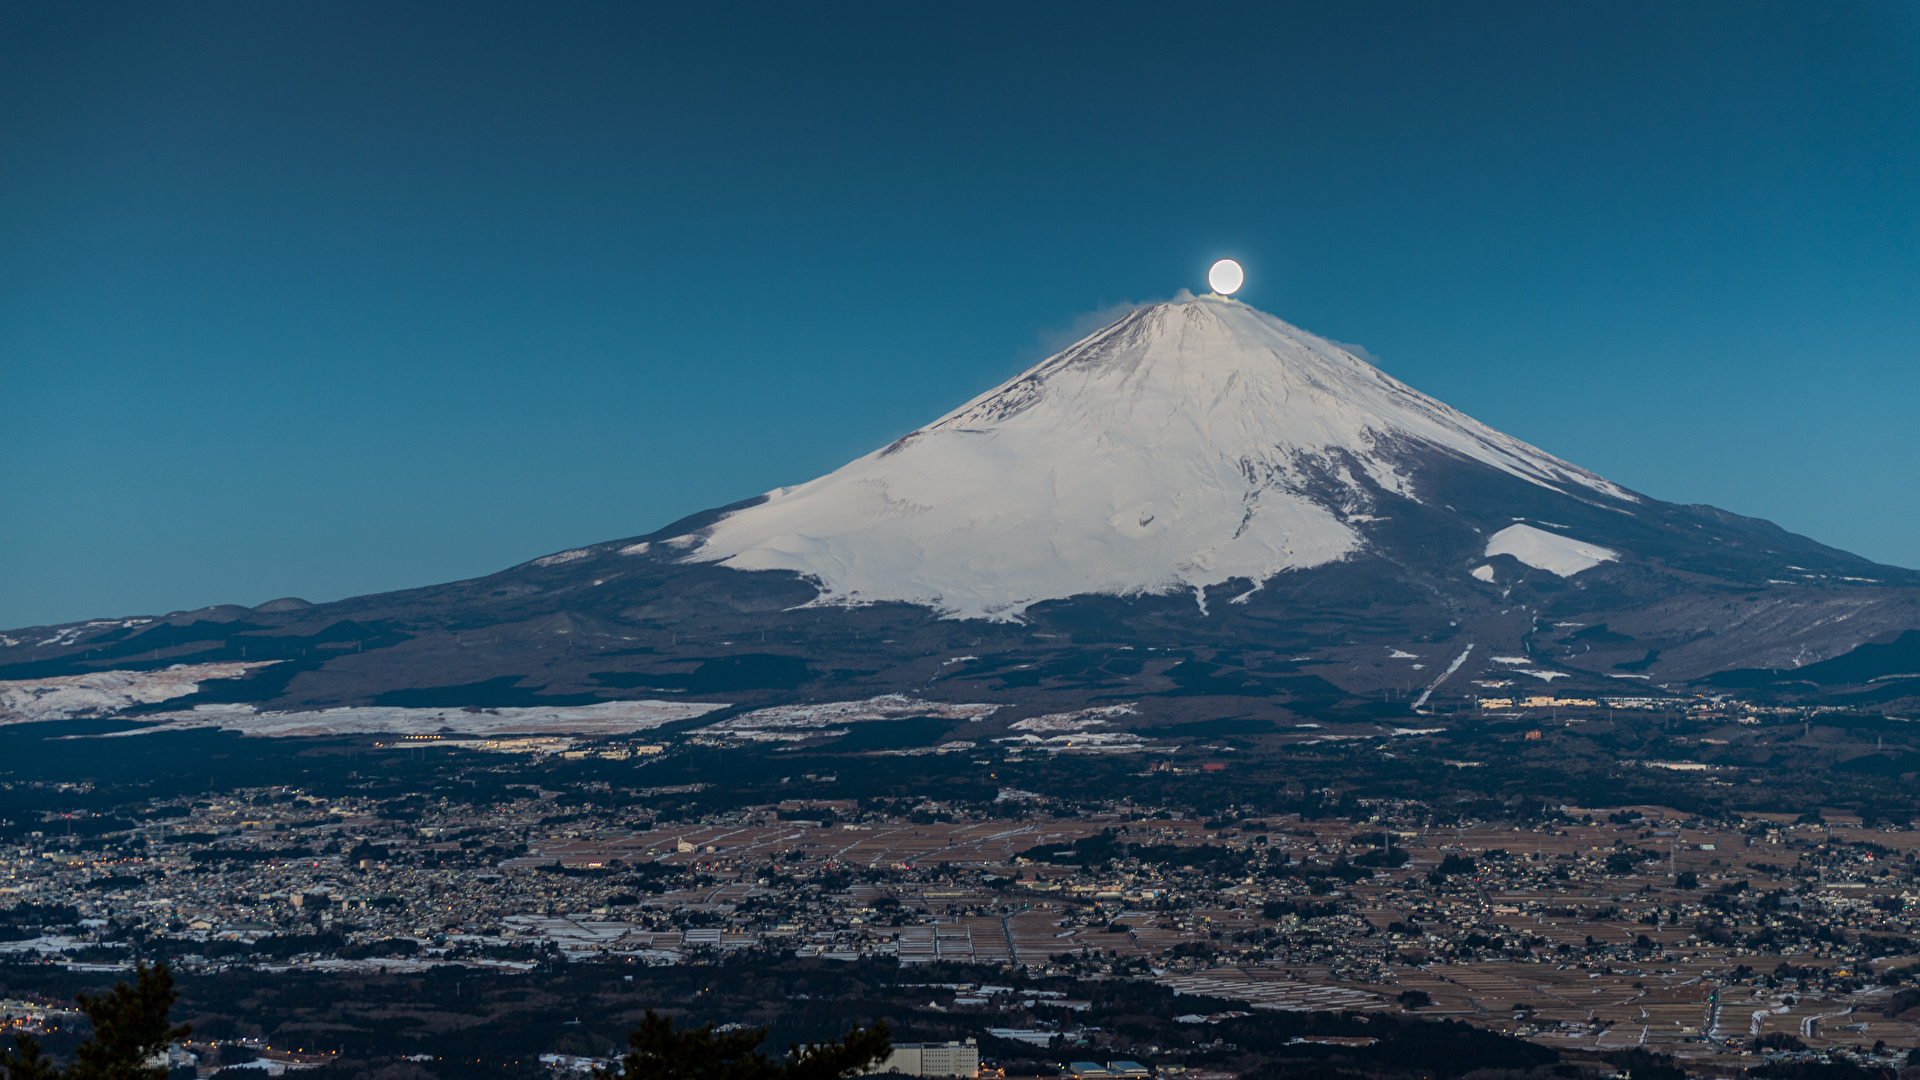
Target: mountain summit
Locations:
point(1184, 446)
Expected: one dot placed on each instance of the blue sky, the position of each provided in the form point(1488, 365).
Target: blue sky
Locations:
point(323, 299)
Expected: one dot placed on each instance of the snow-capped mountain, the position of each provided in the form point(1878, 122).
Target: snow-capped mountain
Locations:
point(1200, 511)
point(1184, 446)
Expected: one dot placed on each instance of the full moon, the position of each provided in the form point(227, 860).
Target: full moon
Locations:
point(1226, 277)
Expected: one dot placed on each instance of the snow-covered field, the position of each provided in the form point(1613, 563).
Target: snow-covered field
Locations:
point(788, 722)
point(1184, 445)
point(103, 693)
point(1073, 721)
point(107, 693)
point(602, 718)
point(1086, 742)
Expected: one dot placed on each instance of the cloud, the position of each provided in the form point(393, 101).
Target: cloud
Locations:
point(1359, 351)
point(1054, 338)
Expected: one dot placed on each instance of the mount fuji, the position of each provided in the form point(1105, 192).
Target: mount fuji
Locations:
point(1183, 447)
point(1197, 511)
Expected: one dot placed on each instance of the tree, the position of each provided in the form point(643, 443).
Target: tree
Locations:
point(129, 1028)
point(659, 1052)
point(1642, 1064)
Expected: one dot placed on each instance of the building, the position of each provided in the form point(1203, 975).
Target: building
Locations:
point(932, 1059)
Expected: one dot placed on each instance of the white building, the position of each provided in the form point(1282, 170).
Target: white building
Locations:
point(932, 1059)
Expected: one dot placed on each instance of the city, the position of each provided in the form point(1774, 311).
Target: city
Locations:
point(1723, 940)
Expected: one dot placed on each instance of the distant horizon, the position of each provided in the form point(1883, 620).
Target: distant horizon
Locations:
point(334, 301)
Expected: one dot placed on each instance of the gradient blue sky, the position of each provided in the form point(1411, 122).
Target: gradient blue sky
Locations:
point(321, 299)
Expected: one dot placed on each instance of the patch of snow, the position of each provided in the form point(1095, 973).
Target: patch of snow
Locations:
point(1435, 684)
point(1185, 445)
point(276, 1066)
point(1484, 573)
point(600, 718)
point(562, 557)
point(67, 635)
point(1513, 659)
point(1542, 550)
point(640, 548)
point(953, 747)
point(788, 722)
point(103, 693)
point(1099, 742)
point(1547, 675)
point(1073, 721)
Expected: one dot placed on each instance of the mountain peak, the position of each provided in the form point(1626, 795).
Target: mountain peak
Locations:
point(1184, 445)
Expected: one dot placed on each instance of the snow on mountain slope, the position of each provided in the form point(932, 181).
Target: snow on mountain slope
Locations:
point(103, 693)
point(1184, 445)
point(1542, 550)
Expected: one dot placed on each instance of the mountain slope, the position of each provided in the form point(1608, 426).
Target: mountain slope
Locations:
point(1186, 445)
